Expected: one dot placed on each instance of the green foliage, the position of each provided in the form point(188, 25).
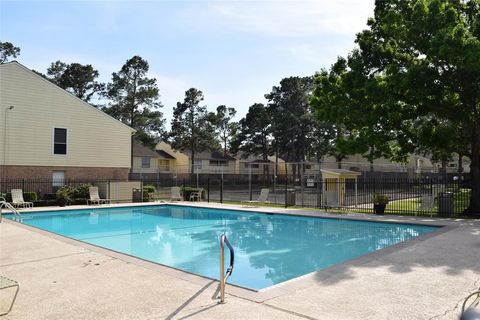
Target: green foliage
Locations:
point(412, 85)
point(81, 191)
point(65, 193)
point(7, 50)
point(134, 101)
point(254, 136)
point(149, 188)
point(292, 119)
point(71, 193)
point(224, 126)
point(380, 199)
point(30, 196)
point(192, 126)
point(79, 79)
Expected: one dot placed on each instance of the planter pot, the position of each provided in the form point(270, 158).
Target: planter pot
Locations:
point(379, 208)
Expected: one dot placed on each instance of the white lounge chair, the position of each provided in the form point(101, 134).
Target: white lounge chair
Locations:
point(331, 199)
point(426, 204)
point(262, 198)
point(95, 198)
point(17, 199)
point(176, 194)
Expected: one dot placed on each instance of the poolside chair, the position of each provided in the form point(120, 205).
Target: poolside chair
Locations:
point(426, 204)
point(196, 195)
point(176, 194)
point(262, 198)
point(95, 198)
point(331, 199)
point(17, 199)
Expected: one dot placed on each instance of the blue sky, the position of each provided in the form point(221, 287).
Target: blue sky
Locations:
point(234, 51)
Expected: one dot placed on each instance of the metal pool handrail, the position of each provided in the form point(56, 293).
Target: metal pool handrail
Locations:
point(5, 204)
point(224, 277)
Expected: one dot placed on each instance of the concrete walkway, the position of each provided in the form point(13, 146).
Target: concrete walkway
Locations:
point(60, 280)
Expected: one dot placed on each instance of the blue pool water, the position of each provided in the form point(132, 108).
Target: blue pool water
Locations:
point(269, 249)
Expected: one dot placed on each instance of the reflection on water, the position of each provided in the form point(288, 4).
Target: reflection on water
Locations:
point(269, 248)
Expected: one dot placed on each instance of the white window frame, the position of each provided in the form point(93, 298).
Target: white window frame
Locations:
point(53, 142)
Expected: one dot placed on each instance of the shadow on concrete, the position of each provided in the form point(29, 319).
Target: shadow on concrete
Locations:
point(190, 300)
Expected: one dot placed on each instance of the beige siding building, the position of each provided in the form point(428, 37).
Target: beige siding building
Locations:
point(46, 132)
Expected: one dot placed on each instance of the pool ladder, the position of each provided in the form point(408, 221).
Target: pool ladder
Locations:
point(5, 204)
point(224, 276)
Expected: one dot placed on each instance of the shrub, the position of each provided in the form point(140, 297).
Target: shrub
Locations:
point(65, 193)
point(81, 191)
point(146, 196)
point(149, 188)
point(380, 199)
point(30, 196)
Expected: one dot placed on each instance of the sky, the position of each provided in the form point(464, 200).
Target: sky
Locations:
point(234, 51)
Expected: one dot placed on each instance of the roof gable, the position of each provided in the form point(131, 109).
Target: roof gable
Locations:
point(37, 77)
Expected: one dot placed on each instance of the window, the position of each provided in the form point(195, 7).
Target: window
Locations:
point(59, 141)
point(164, 165)
point(255, 166)
point(145, 162)
point(197, 164)
point(308, 166)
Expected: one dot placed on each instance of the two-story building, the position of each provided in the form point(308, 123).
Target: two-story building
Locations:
point(46, 133)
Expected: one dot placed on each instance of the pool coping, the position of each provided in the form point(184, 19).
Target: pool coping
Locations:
point(286, 287)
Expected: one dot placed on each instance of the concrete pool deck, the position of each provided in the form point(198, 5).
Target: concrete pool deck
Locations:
point(60, 279)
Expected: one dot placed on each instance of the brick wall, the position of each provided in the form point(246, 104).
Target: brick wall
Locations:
point(71, 173)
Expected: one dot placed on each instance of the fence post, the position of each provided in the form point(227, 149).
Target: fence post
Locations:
point(221, 190)
point(250, 181)
point(208, 189)
point(286, 189)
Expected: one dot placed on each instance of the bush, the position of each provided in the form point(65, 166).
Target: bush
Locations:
point(380, 199)
point(146, 196)
point(149, 188)
point(81, 191)
point(30, 196)
point(65, 193)
point(188, 190)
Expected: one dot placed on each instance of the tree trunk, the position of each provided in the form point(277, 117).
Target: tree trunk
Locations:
point(474, 207)
point(460, 166)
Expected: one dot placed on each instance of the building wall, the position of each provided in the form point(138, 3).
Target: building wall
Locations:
point(181, 163)
point(94, 139)
point(137, 165)
point(71, 173)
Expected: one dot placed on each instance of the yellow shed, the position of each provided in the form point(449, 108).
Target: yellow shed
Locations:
point(334, 186)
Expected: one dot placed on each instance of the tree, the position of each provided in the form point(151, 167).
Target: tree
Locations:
point(427, 52)
point(192, 126)
point(225, 127)
point(254, 136)
point(76, 78)
point(292, 119)
point(7, 50)
point(349, 98)
point(134, 100)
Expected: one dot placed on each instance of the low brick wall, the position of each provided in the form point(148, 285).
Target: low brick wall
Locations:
point(71, 173)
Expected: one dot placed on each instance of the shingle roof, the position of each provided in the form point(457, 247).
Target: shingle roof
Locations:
point(210, 155)
point(139, 150)
point(164, 154)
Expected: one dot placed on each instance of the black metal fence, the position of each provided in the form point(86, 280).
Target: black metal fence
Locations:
point(425, 196)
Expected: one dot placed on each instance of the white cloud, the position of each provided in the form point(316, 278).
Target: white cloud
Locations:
point(295, 18)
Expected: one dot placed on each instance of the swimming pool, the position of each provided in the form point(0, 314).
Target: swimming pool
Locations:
point(269, 249)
